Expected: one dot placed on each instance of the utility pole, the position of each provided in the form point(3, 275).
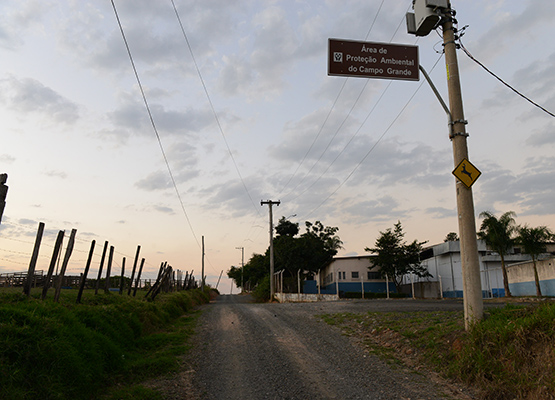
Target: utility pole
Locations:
point(428, 14)
point(242, 264)
point(472, 287)
point(202, 272)
point(270, 204)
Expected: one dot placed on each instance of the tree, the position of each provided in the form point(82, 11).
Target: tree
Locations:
point(498, 235)
point(327, 235)
point(254, 271)
point(451, 237)
point(533, 242)
point(286, 227)
point(395, 257)
point(310, 251)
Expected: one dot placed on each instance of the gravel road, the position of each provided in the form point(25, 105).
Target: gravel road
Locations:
point(244, 350)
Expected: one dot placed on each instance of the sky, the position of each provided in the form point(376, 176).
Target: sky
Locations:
point(242, 110)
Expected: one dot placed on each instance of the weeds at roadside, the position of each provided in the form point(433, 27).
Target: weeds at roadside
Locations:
point(74, 351)
point(508, 355)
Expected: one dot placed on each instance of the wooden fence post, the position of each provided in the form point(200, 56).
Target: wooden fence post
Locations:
point(139, 277)
point(121, 278)
point(84, 277)
point(3, 193)
point(69, 250)
point(134, 268)
point(100, 268)
point(160, 272)
point(53, 261)
point(33, 263)
point(191, 282)
point(108, 270)
point(162, 281)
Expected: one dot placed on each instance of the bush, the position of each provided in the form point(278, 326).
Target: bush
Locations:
point(54, 350)
point(261, 293)
point(510, 354)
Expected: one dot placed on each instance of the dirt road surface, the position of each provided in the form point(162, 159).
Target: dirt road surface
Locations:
point(244, 350)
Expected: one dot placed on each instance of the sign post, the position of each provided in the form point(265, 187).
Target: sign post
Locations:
point(372, 60)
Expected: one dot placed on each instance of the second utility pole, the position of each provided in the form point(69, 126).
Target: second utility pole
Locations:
point(270, 204)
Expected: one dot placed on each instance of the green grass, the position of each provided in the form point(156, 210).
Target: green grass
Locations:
point(65, 350)
point(509, 355)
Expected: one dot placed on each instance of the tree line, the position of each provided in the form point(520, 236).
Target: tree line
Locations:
point(293, 254)
point(313, 250)
point(502, 234)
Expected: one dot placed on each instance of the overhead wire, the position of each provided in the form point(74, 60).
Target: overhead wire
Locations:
point(373, 146)
point(327, 118)
point(212, 107)
point(346, 145)
point(332, 138)
point(147, 106)
point(153, 124)
point(501, 80)
point(349, 113)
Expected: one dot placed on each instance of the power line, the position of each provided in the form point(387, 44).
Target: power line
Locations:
point(152, 123)
point(314, 141)
point(373, 147)
point(349, 113)
point(212, 107)
point(327, 117)
point(332, 138)
point(346, 145)
point(501, 80)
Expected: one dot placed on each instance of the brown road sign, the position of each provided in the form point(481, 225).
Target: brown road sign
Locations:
point(466, 172)
point(372, 60)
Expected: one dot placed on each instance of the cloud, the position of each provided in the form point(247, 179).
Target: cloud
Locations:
point(29, 96)
point(131, 118)
point(526, 82)
point(236, 73)
point(542, 137)
point(56, 174)
point(18, 18)
point(529, 189)
point(257, 68)
point(153, 34)
point(7, 159)
point(159, 180)
point(441, 212)
point(164, 209)
point(231, 200)
point(511, 27)
point(25, 221)
point(382, 209)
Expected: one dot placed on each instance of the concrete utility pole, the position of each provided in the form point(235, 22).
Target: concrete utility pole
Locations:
point(3, 193)
point(428, 14)
point(472, 287)
point(270, 204)
point(242, 264)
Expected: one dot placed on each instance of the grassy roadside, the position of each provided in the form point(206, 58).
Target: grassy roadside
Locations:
point(510, 355)
point(107, 345)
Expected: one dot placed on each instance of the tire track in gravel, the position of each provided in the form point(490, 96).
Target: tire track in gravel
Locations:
point(281, 351)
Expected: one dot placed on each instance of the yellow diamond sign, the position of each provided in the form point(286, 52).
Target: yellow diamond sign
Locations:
point(466, 173)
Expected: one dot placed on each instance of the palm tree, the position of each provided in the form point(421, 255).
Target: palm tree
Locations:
point(498, 235)
point(533, 242)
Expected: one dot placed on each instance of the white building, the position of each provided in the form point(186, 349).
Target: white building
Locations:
point(443, 261)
